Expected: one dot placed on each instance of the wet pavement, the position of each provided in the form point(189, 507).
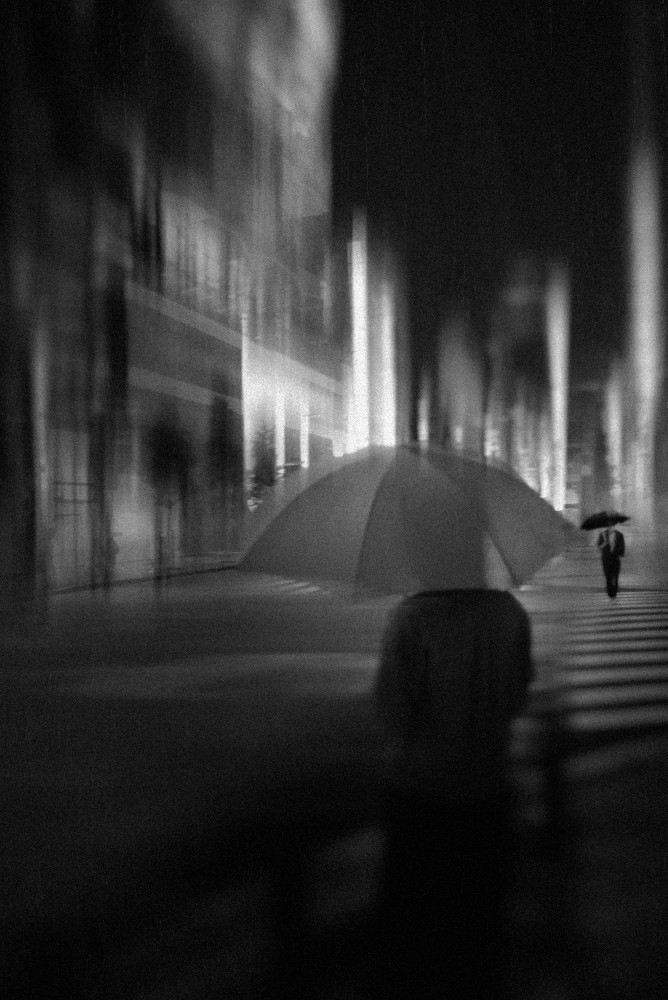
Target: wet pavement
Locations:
point(188, 790)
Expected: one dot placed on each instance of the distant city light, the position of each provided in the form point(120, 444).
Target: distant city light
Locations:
point(385, 378)
point(646, 311)
point(359, 419)
point(558, 319)
point(423, 409)
point(613, 417)
point(304, 432)
point(279, 429)
point(546, 459)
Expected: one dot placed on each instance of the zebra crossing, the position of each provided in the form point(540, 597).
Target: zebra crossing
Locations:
point(261, 584)
point(613, 678)
point(601, 700)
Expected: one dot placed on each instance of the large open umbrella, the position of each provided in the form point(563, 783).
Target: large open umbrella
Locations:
point(603, 519)
point(397, 520)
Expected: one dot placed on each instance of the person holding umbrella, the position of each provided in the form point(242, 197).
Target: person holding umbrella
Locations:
point(454, 673)
point(611, 545)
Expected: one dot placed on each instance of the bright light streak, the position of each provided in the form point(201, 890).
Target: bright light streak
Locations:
point(423, 409)
point(558, 321)
point(338, 442)
point(646, 310)
point(613, 417)
point(546, 458)
point(248, 389)
point(524, 441)
point(385, 378)
point(359, 423)
point(304, 431)
point(279, 429)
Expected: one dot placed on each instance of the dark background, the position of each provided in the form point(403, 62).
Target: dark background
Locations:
point(478, 132)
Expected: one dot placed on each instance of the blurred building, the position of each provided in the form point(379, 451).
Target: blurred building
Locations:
point(172, 292)
point(504, 396)
point(371, 319)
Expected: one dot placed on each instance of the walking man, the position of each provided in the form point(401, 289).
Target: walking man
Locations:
point(454, 672)
point(612, 547)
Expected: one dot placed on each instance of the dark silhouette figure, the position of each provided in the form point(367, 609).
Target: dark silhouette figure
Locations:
point(454, 672)
point(612, 547)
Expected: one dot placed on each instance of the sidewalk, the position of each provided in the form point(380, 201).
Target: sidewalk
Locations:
point(187, 565)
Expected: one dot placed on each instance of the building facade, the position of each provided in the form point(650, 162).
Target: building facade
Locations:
point(176, 293)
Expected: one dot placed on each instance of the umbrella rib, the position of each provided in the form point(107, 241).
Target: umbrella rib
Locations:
point(358, 567)
point(516, 580)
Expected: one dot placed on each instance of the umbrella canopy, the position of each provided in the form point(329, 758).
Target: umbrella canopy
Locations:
point(603, 519)
point(397, 520)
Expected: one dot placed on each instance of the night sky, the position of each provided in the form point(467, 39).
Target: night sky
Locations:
point(475, 132)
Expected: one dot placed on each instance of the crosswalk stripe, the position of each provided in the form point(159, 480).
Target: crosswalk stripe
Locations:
point(613, 695)
point(656, 625)
point(278, 585)
point(617, 719)
point(600, 676)
point(607, 657)
point(642, 647)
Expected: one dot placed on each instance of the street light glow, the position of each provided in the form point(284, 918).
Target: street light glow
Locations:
point(558, 318)
point(646, 311)
point(385, 378)
point(359, 422)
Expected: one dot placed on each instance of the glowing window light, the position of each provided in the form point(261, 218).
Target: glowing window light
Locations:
point(359, 425)
point(558, 319)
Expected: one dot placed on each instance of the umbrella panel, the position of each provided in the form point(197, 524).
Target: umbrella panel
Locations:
point(423, 533)
point(524, 528)
point(318, 535)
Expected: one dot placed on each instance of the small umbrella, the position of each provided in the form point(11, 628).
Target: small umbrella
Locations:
point(397, 520)
point(603, 519)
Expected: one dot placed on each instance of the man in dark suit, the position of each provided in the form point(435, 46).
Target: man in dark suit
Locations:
point(612, 547)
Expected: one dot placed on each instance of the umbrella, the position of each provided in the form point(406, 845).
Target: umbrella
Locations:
point(604, 519)
point(397, 520)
